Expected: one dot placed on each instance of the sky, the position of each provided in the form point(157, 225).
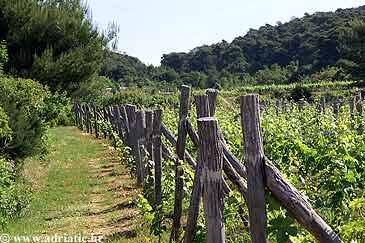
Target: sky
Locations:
point(151, 28)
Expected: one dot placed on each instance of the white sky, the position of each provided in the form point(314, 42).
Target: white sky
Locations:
point(151, 28)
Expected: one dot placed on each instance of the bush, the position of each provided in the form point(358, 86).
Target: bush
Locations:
point(330, 74)
point(57, 111)
point(3, 55)
point(23, 101)
point(13, 195)
point(301, 92)
point(95, 89)
point(5, 130)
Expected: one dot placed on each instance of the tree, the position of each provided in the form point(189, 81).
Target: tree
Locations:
point(353, 49)
point(52, 41)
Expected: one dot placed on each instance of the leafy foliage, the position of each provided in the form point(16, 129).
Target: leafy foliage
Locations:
point(24, 102)
point(279, 54)
point(320, 153)
point(3, 56)
point(57, 110)
point(5, 130)
point(353, 48)
point(51, 41)
point(13, 195)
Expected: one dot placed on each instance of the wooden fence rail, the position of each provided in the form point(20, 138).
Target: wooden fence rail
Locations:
point(216, 168)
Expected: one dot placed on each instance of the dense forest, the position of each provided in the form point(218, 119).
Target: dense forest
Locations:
point(325, 45)
point(290, 51)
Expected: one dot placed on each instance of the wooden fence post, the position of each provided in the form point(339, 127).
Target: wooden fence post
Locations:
point(96, 117)
point(105, 114)
point(212, 97)
point(157, 155)
point(83, 115)
point(277, 105)
point(211, 155)
point(300, 105)
point(131, 118)
point(352, 107)
point(75, 109)
point(336, 109)
point(86, 118)
point(283, 107)
point(254, 153)
point(123, 115)
point(202, 110)
point(111, 117)
point(140, 127)
point(149, 145)
point(323, 104)
point(118, 121)
point(133, 137)
point(359, 108)
point(89, 114)
point(180, 151)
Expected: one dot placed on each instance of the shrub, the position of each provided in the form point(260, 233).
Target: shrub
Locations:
point(3, 55)
point(23, 101)
point(330, 74)
point(301, 92)
point(57, 111)
point(5, 130)
point(13, 195)
point(97, 87)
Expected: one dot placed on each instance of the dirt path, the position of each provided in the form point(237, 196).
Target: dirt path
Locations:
point(81, 187)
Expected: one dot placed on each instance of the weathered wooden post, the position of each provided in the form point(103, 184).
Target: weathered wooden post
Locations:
point(89, 114)
point(211, 155)
point(180, 151)
point(202, 110)
point(352, 108)
point(124, 120)
point(212, 97)
point(131, 118)
point(96, 118)
point(86, 118)
point(277, 105)
point(323, 104)
point(157, 155)
point(283, 107)
point(254, 156)
point(140, 127)
point(111, 116)
point(301, 105)
point(149, 144)
point(75, 110)
point(118, 121)
point(359, 108)
point(133, 137)
point(105, 118)
point(336, 109)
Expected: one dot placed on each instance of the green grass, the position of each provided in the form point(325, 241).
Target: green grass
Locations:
point(65, 184)
point(80, 187)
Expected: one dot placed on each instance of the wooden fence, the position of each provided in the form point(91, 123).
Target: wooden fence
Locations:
point(216, 168)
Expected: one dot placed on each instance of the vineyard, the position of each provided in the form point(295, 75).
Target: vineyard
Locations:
point(294, 173)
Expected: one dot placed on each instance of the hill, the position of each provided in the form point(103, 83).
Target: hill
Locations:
point(304, 46)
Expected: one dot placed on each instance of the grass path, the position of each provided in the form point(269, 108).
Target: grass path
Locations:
point(81, 187)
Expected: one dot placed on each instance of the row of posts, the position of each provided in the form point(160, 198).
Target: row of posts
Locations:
point(142, 131)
